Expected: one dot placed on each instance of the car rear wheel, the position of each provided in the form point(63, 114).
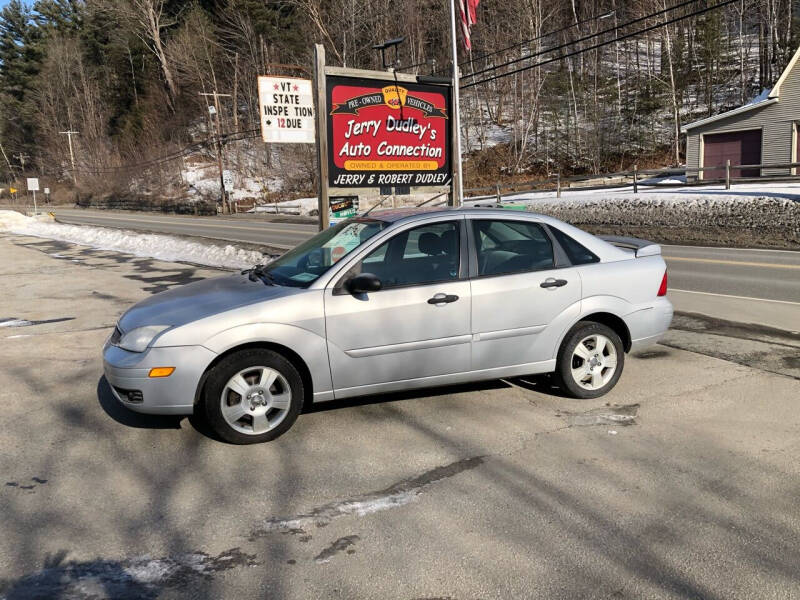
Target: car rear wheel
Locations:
point(253, 396)
point(590, 360)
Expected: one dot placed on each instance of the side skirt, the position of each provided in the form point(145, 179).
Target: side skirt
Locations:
point(545, 366)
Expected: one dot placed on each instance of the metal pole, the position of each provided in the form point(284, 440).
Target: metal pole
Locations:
point(458, 188)
point(558, 185)
point(321, 132)
point(728, 174)
point(497, 191)
point(635, 182)
point(34, 203)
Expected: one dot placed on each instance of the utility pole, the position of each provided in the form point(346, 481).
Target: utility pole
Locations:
point(69, 135)
point(8, 162)
point(219, 144)
point(22, 158)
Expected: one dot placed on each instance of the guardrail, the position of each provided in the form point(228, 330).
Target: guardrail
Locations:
point(645, 178)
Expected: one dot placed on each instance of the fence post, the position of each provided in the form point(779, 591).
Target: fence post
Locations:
point(728, 174)
point(497, 191)
point(558, 185)
point(635, 181)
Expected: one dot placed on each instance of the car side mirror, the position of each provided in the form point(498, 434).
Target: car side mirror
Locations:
point(364, 283)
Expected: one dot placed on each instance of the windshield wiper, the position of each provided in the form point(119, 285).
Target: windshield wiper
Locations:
point(258, 272)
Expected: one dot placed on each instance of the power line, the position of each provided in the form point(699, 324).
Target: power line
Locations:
point(538, 37)
point(511, 47)
point(583, 39)
point(601, 44)
point(233, 136)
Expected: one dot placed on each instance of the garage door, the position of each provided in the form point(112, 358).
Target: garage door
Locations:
point(740, 147)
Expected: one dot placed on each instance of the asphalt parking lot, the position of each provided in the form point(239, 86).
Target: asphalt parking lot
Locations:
point(682, 483)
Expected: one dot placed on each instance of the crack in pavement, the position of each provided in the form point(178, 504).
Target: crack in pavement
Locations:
point(340, 545)
point(400, 493)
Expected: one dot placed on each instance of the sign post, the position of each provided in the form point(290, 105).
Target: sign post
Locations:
point(321, 134)
point(379, 130)
point(33, 186)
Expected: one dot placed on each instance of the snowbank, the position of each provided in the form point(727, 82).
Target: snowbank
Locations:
point(751, 215)
point(161, 247)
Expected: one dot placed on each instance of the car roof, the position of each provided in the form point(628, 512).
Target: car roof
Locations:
point(603, 249)
point(393, 215)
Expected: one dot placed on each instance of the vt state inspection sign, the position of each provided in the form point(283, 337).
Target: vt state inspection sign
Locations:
point(387, 133)
point(287, 110)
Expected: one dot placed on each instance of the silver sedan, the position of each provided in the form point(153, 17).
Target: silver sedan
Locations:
point(392, 301)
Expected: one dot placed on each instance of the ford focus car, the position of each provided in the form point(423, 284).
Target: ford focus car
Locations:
point(397, 300)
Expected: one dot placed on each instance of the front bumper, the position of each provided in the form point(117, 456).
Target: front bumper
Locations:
point(127, 372)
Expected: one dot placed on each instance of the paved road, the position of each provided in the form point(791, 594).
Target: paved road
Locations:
point(252, 230)
point(760, 286)
point(494, 491)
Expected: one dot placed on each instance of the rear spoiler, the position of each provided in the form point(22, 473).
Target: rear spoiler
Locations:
point(640, 247)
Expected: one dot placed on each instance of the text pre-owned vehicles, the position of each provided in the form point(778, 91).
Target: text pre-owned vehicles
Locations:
point(390, 301)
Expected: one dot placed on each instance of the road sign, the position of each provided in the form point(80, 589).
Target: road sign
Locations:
point(33, 184)
point(47, 191)
point(12, 190)
point(286, 105)
point(227, 180)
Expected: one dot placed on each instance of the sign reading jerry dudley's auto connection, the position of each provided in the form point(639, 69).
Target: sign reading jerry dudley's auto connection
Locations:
point(387, 133)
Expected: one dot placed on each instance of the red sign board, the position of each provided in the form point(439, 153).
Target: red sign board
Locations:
point(384, 133)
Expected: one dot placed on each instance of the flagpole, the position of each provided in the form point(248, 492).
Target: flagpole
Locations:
point(458, 188)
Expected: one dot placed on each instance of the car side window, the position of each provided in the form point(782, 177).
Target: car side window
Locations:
point(511, 247)
point(426, 254)
point(577, 253)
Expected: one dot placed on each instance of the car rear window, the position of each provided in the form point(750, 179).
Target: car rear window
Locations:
point(577, 253)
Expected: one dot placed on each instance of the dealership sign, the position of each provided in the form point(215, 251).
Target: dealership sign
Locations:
point(286, 105)
point(384, 133)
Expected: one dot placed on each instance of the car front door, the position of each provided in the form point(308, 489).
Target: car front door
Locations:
point(417, 326)
point(524, 292)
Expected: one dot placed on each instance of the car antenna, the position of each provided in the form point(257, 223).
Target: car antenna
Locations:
point(430, 199)
point(371, 208)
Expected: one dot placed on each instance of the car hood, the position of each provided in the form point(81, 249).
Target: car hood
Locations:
point(198, 300)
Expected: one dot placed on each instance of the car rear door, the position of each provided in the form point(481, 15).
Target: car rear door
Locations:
point(524, 292)
point(417, 325)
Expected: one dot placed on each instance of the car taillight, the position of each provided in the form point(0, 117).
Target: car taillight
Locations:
point(662, 290)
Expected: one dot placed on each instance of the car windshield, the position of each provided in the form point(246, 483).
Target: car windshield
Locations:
point(303, 265)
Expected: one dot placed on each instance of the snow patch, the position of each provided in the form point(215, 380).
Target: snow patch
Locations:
point(161, 247)
point(300, 206)
point(15, 323)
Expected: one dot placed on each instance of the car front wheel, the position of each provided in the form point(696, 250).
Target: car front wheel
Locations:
point(253, 396)
point(590, 360)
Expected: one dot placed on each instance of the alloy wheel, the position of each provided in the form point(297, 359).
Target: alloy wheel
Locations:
point(594, 362)
point(256, 400)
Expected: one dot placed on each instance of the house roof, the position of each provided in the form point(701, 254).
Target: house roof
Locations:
point(765, 98)
point(747, 107)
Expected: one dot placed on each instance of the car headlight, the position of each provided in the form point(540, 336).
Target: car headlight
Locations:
point(137, 340)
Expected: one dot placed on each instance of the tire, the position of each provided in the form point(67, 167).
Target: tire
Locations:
point(583, 373)
point(253, 396)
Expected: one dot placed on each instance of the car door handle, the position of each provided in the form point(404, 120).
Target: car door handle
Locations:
point(440, 299)
point(553, 283)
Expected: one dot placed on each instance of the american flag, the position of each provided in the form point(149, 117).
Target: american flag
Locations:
point(468, 18)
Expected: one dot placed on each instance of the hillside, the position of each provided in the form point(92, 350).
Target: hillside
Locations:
point(589, 87)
